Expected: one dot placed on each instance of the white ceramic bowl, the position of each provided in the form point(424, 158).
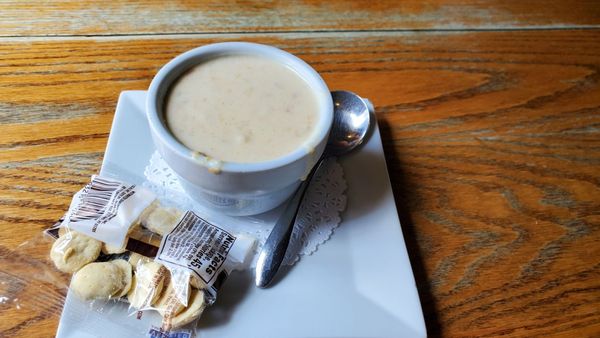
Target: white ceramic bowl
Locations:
point(239, 188)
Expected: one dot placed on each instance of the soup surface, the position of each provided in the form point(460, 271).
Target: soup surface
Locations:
point(241, 108)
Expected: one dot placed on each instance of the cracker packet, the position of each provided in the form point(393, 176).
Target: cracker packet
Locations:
point(120, 243)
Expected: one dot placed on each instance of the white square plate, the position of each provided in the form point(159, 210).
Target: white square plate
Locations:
point(358, 284)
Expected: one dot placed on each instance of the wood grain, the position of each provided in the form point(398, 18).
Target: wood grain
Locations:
point(75, 17)
point(492, 141)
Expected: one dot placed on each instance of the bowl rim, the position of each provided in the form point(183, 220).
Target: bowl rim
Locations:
point(182, 62)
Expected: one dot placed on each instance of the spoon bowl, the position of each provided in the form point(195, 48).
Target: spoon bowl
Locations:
point(351, 120)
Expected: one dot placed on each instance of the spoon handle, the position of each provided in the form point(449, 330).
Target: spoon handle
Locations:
point(274, 249)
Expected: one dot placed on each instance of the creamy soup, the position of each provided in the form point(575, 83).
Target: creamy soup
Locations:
point(241, 108)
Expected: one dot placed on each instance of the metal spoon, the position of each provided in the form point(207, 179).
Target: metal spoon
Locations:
point(351, 118)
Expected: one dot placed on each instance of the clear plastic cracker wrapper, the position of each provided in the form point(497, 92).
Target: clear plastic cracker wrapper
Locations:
point(120, 243)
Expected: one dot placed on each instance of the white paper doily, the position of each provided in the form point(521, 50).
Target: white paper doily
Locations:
point(319, 214)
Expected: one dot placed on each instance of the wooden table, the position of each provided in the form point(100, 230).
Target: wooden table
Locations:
point(490, 114)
